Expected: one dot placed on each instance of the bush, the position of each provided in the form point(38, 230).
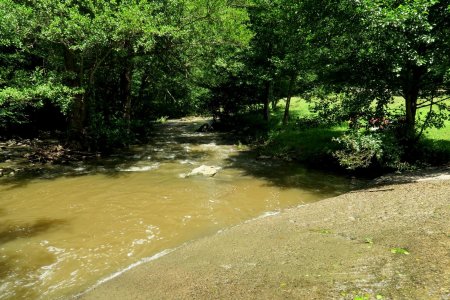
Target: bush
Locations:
point(103, 136)
point(363, 149)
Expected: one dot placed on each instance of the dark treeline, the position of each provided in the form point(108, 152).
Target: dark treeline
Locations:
point(100, 71)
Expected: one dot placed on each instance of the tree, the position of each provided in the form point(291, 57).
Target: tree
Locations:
point(102, 61)
point(277, 51)
point(25, 83)
point(373, 50)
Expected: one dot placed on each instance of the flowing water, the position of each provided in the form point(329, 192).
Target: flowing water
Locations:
point(63, 231)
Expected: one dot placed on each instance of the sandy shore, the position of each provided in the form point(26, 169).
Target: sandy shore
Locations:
point(391, 241)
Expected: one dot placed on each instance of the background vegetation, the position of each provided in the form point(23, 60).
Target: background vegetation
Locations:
point(373, 76)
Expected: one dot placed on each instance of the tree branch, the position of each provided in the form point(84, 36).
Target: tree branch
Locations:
point(421, 105)
point(426, 121)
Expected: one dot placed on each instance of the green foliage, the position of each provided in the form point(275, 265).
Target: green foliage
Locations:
point(104, 136)
point(361, 149)
point(370, 51)
point(106, 64)
point(162, 119)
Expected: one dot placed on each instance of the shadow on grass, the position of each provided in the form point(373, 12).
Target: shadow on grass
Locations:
point(309, 145)
point(435, 152)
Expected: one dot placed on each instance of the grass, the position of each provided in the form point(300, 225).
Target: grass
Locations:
point(435, 142)
point(303, 143)
point(433, 134)
point(300, 108)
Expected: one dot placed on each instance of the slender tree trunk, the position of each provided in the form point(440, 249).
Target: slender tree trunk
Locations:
point(127, 81)
point(143, 85)
point(126, 84)
point(288, 100)
point(267, 99)
point(274, 104)
point(77, 120)
point(77, 116)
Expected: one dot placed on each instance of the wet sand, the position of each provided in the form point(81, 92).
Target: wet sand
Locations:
point(391, 241)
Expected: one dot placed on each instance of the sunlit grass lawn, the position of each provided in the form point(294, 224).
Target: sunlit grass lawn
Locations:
point(302, 143)
point(307, 143)
point(430, 133)
point(300, 109)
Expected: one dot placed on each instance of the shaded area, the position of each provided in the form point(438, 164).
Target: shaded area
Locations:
point(425, 174)
point(433, 151)
point(10, 232)
point(287, 175)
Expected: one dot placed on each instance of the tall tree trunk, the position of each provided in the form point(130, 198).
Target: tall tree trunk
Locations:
point(288, 100)
point(267, 99)
point(411, 107)
point(411, 95)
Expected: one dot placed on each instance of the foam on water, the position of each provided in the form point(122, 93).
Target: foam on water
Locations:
point(134, 265)
point(138, 168)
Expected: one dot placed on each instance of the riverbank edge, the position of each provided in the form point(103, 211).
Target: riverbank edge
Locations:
point(256, 259)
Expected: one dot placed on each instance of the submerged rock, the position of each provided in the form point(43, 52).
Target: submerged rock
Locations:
point(205, 171)
point(7, 171)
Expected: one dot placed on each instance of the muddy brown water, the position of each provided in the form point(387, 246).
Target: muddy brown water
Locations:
point(66, 229)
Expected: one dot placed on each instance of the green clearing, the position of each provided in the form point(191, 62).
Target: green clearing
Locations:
point(309, 143)
point(313, 143)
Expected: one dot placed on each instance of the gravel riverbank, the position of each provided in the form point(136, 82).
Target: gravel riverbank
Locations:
point(391, 241)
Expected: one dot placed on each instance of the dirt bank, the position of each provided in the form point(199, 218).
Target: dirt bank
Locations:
point(388, 242)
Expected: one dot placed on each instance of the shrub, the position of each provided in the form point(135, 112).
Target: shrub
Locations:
point(362, 149)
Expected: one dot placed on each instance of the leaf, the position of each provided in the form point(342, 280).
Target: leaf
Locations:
point(368, 240)
point(399, 251)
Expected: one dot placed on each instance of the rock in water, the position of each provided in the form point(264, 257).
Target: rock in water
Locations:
point(205, 171)
point(207, 127)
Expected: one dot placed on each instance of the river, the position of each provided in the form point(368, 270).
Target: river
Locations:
point(62, 232)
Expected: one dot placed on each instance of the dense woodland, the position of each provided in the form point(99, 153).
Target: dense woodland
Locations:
point(98, 72)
